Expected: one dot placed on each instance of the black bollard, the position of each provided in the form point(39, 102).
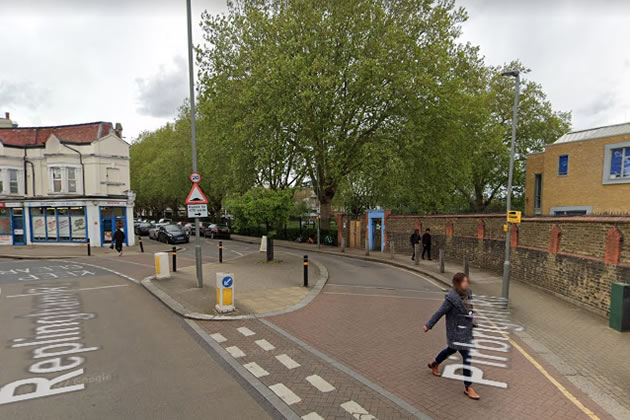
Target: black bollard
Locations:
point(89, 248)
point(306, 271)
point(174, 259)
point(466, 266)
point(441, 260)
point(269, 249)
point(140, 242)
point(220, 251)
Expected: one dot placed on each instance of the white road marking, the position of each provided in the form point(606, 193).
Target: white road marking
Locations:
point(128, 262)
point(218, 337)
point(70, 290)
point(255, 369)
point(285, 394)
point(287, 361)
point(235, 352)
point(236, 252)
point(379, 295)
point(319, 383)
point(265, 345)
point(312, 416)
point(357, 411)
point(245, 331)
point(413, 273)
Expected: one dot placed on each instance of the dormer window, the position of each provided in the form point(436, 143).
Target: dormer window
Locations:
point(63, 179)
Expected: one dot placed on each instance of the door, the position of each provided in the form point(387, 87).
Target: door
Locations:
point(17, 222)
point(111, 219)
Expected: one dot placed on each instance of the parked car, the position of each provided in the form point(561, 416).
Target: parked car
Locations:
point(217, 231)
point(142, 229)
point(190, 227)
point(164, 220)
point(172, 234)
point(153, 231)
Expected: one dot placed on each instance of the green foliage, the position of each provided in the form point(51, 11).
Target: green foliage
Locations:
point(261, 206)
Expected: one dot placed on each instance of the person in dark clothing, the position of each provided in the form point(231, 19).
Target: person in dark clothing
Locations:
point(414, 239)
point(426, 244)
point(460, 320)
point(119, 239)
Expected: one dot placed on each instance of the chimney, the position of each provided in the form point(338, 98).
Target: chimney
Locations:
point(119, 129)
point(7, 115)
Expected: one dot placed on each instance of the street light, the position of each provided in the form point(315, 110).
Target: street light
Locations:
point(506, 265)
point(191, 81)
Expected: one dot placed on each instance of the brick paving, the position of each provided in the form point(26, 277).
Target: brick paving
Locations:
point(380, 337)
point(328, 405)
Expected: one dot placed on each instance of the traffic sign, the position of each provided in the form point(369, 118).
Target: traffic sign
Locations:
point(196, 196)
point(195, 177)
point(227, 282)
point(514, 216)
point(197, 210)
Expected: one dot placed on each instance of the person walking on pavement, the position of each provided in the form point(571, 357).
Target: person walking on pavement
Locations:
point(415, 240)
point(426, 243)
point(460, 320)
point(119, 238)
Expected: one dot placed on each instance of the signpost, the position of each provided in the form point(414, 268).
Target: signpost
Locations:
point(197, 210)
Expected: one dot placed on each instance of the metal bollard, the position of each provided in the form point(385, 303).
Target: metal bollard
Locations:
point(391, 249)
point(343, 244)
point(441, 260)
point(140, 243)
point(269, 249)
point(367, 246)
point(306, 271)
point(220, 251)
point(416, 250)
point(174, 259)
point(89, 248)
point(466, 266)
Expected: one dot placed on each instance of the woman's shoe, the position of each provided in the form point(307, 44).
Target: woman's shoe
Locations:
point(434, 367)
point(471, 393)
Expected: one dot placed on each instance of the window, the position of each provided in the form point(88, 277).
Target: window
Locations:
point(563, 165)
point(56, 177)
point(571, 210)
point(72, 180)
point(13, 181)
point(58, 224)
point(537, 193)
point(10, 181)
point(617, 163)
point(64, 179)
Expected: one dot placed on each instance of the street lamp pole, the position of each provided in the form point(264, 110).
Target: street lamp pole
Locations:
point(506, 265)
point(191, 81)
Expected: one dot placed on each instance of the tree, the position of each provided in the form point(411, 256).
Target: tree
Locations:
point(261, 206)
point(328, 83)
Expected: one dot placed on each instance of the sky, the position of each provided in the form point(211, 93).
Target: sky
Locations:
point(73, 61)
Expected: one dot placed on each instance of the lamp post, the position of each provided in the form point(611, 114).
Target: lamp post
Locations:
point(191, 82)
point(506, 265)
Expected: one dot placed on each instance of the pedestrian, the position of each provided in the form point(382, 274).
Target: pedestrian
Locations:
point(460, 320)
point(119, 238)
point(426, 243)
point(415, 240)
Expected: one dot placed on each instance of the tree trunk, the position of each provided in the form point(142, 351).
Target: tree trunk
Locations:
point(326, 210)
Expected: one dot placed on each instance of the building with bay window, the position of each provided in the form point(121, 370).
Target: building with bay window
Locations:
point(583, 172)
point(64, 184)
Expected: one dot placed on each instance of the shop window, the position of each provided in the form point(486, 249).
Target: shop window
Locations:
point(51, 224)
point(63, 224)
point(38, 224)
point(5, 226)
point(78, 222)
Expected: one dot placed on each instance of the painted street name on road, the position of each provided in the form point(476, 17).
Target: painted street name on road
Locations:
point(56, 346)
point(45, 273)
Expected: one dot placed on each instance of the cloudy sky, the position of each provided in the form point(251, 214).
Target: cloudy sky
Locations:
point(70, 61)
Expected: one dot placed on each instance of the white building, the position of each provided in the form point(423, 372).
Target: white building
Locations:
point(64, 184)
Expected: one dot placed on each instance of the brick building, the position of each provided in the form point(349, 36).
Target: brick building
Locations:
point(583, 172)
point(64, 184)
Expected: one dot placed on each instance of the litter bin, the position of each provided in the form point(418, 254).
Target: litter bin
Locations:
point(619, 318)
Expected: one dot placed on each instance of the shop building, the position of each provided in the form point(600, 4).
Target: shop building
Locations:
point(64, 184)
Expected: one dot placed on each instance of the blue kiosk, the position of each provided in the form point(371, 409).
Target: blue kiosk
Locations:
point(374, 218)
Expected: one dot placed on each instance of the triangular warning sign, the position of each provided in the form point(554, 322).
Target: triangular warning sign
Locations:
point(196, 196)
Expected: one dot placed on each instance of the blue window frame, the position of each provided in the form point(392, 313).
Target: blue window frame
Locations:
point(563, 165)
point(620, 162)
point(58, 224)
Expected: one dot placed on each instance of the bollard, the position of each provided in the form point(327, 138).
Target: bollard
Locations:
point(343, 244)
point(466, 266)
point(441, 260)
point(161, 265)
point(391, 249)
point(225, 292)
point(306, 271)
point(140, 243)
point(89, 248)
point(220, 251)
point(416, 251)
point(174, 259)
point(269, 249)
point(367, 246)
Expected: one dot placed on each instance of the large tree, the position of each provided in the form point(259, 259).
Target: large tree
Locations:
point(327, 84)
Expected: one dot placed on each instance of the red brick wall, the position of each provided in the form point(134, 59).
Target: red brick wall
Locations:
point(581, 271)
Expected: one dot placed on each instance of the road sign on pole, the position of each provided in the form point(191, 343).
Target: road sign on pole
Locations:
point(195, 177)
point(196, 196)
point(197, 210)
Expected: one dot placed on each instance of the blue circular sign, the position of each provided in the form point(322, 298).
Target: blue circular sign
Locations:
point(227, 282)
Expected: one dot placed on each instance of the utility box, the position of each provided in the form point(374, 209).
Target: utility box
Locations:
point(619, 318)
point(161, 265)
point(225, 292)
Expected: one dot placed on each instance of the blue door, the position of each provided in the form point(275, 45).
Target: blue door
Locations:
point(17, 226)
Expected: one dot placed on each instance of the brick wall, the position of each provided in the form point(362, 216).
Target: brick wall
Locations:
point(588, 259)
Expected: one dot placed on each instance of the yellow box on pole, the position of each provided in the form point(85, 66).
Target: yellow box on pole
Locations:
point(225, 292)
point(514, 216)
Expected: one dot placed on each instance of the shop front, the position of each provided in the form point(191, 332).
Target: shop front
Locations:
point(60, 223)
point(111, 219)
point(12, 228)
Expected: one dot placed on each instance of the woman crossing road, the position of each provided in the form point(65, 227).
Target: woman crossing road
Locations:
point(457, 307)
